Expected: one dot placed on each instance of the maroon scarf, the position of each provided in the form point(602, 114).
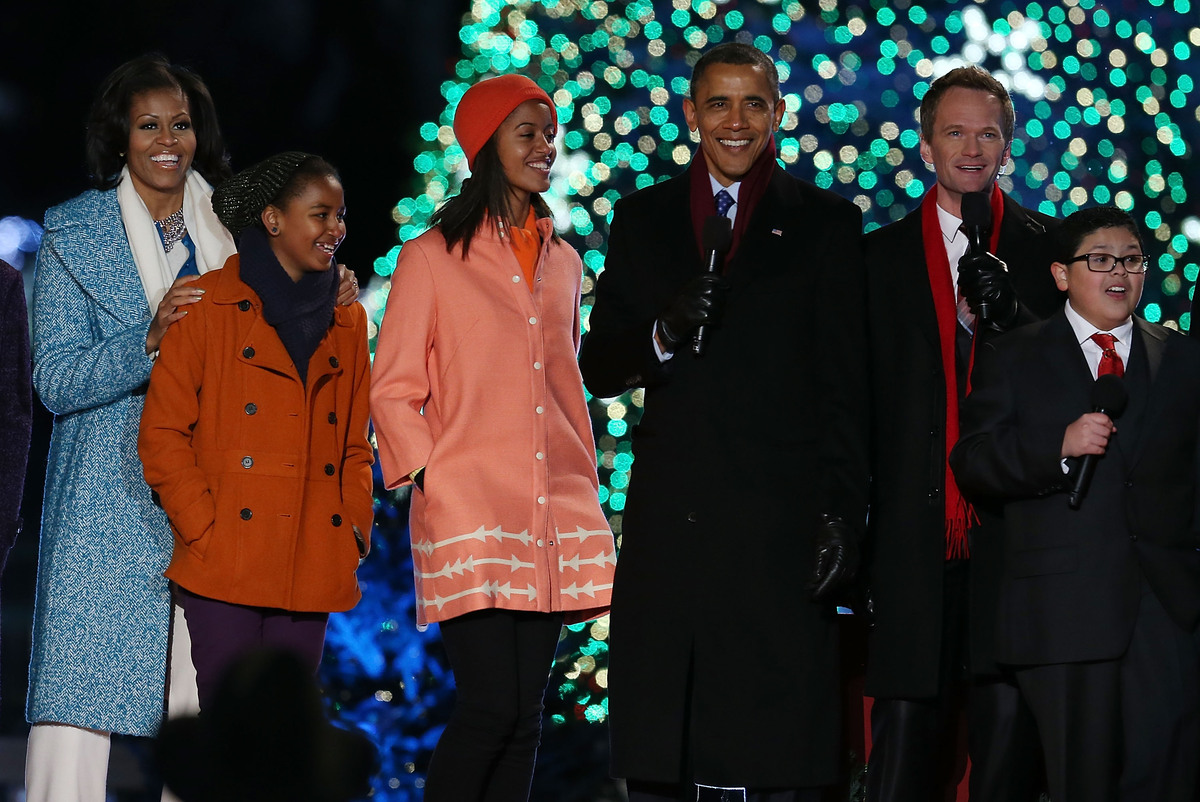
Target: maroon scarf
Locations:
point(959, 512)
point(754, 186)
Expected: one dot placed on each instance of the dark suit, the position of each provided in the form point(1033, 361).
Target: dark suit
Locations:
point(1077, 585)
point(16, 404)
point(910, 657)
point(723, 671)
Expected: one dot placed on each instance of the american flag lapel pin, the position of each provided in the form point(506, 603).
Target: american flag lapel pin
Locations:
point(777, 232)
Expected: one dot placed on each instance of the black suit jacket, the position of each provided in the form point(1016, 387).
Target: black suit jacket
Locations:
point(907, 537)
point(737, 454)
point(16, 403)
point(1072, 578)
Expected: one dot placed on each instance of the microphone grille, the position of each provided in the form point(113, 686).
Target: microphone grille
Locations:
point(976, 208)
point(1110, 395)
point(718, 235)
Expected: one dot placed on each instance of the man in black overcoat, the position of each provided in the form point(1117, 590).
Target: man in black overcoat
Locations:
point(931, 566)
point(748, 494)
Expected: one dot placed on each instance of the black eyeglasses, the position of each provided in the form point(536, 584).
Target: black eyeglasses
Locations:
point(1105, 262)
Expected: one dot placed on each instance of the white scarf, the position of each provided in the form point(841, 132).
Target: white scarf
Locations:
point(214, 245)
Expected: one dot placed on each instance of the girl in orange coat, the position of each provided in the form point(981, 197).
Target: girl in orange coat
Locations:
point(478, 401)
point(254, 434)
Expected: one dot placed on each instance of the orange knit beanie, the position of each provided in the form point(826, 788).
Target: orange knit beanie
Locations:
point(485, 105)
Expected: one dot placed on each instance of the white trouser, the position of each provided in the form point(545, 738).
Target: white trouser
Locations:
point(65, 763)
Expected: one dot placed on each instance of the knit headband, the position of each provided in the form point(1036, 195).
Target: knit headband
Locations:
point(240, 200)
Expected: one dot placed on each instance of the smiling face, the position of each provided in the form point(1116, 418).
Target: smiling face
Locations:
point(525, 145)
point(162, 145)
point(308, 229)
point(967, 146)
point(735, 111)
point(1106, 300)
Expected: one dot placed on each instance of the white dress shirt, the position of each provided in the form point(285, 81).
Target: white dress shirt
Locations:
point(1123, 335)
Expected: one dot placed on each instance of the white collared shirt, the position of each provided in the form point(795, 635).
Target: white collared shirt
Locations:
point(732, 189)
point(1123, 335)
point(954, 239)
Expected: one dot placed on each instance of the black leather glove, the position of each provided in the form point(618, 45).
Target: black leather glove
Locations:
point(986, 284)
point(699, 303)
point(836, 560)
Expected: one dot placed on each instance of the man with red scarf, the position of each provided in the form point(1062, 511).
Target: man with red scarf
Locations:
point(932, 568)
point(749, 490)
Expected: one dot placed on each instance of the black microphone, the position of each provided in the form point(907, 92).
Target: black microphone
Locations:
point(717, 239)
point(976, 208)
point(1110, 397)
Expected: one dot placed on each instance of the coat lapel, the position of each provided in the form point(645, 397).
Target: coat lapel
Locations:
point(102, 263)
point(1145, 396)
point(1065, 367)
point(910, 286)
point(776, 229)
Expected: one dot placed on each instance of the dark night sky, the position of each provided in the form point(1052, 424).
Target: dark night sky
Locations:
point(350, 80)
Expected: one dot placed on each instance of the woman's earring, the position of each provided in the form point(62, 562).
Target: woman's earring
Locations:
point(274, 230)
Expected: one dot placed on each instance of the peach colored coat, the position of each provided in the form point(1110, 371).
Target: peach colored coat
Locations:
point(509, 516)
point(264, 479)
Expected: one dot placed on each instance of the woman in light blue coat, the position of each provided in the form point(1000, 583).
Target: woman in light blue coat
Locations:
point(113, 273)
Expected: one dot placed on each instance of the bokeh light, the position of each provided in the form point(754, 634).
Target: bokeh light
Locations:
point(1106, 114)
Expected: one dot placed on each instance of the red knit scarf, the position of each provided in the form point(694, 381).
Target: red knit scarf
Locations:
point(959, 512)
point(704, 204)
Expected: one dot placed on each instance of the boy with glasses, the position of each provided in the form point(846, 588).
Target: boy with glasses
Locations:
point(1100, 595)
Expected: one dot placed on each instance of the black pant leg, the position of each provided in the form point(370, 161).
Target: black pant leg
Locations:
point(906, 740)
point(1160, 710)
point(501, 661)
point(1002, 740)
point(914, 742)
point(1078, 712)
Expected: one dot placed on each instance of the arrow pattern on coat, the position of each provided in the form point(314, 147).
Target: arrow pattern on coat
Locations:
point(600, 560)
point(461, 566)
point(582, 534)
point(590, 588)
point(427, 547)
point(491, 589)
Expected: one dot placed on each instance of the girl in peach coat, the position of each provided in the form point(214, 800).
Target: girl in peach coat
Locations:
point(478, 402)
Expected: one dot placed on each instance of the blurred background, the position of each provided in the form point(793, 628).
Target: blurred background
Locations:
point(1107, 110)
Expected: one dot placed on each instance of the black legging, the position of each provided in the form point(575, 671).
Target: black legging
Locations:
point(501, 661)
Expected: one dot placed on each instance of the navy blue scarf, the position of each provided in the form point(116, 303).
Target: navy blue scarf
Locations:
point(300, 311)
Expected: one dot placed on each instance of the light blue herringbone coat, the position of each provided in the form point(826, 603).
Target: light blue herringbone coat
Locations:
point(103, 609)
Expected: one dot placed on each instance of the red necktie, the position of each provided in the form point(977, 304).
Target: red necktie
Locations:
point(1110, 361)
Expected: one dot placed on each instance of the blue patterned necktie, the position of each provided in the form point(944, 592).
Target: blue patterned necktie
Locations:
point(724, 201)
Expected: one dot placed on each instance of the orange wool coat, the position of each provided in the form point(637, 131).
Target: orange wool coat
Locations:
point(266, 481)
point(509, 516)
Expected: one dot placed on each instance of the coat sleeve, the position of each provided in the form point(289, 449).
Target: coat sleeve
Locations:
point(75, 368)
point(400, 383)
point(999, 455)
point(618, 351)
point(357, 481)
point(165, 438)
point(840, 365)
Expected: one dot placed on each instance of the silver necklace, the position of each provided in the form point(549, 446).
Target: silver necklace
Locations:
point(172, 229)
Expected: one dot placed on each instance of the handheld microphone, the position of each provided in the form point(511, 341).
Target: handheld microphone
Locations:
point(1109, 396)
point(976, 208)
point(717, 239)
